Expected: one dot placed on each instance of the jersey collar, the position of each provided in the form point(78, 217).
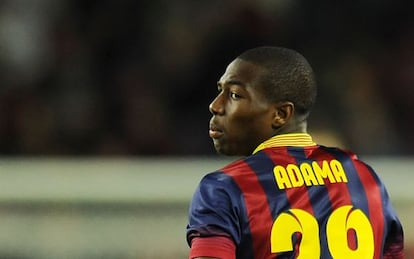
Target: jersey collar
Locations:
point(284, 140)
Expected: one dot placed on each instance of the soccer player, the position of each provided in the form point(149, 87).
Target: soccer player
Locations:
point(288, 197)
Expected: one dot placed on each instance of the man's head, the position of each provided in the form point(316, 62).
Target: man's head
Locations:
point(288, 76)
point(264, 92)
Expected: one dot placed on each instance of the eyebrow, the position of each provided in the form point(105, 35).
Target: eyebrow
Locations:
point(231, 82)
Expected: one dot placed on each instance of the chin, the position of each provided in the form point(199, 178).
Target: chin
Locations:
point(226, 152)
point(222, 151)
point(229, 151)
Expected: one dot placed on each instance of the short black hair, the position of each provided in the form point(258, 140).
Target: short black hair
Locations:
point(288, 76)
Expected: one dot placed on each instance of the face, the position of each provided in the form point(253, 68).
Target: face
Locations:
point(242, 117)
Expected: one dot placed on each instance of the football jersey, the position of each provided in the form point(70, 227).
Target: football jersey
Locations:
point(293, 198)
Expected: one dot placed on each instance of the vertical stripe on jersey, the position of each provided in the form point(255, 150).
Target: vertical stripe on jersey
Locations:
point(363, 181)
point(320, 197)
point(374, 205)
point(297, 197)
point(258, 211)
point(338, 193)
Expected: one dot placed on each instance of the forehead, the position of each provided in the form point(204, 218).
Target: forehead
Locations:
point(242, 71)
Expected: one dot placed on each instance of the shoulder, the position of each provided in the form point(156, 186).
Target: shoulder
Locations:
point(217, 180)
point(223, 180)
point(247, 165)
point(352, 161)
point(341, 154)
point(216, 194)
point(224, 174)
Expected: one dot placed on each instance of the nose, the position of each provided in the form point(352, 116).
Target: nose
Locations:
point(216, 106)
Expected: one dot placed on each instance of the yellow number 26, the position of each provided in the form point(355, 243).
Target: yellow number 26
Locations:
point(341, 220)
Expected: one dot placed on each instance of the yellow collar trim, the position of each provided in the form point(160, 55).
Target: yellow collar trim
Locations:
point(284, 140)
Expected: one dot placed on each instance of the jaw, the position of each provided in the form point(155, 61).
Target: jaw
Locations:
point(232, 149)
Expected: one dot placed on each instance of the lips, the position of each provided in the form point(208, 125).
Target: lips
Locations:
point(214, 131)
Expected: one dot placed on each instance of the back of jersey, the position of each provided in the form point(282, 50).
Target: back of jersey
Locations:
point(317, 202)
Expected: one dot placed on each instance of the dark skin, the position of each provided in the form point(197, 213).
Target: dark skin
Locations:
point(243, 117)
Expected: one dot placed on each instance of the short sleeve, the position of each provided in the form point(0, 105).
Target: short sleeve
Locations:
point(214, 208)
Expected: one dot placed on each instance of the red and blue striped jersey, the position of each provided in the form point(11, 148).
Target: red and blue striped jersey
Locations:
point(295, 199)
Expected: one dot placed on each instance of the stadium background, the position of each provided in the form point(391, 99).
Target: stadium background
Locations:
point(103, 110)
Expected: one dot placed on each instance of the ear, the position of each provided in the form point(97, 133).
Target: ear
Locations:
point(283, 113)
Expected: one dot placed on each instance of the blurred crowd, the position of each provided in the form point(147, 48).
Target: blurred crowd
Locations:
point(121, 78)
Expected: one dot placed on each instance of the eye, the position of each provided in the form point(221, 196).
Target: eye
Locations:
point(234, 96)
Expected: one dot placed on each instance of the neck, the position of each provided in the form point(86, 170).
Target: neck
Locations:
point(294, 127)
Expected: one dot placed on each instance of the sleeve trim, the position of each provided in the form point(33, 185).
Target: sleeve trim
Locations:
point(217, 246)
